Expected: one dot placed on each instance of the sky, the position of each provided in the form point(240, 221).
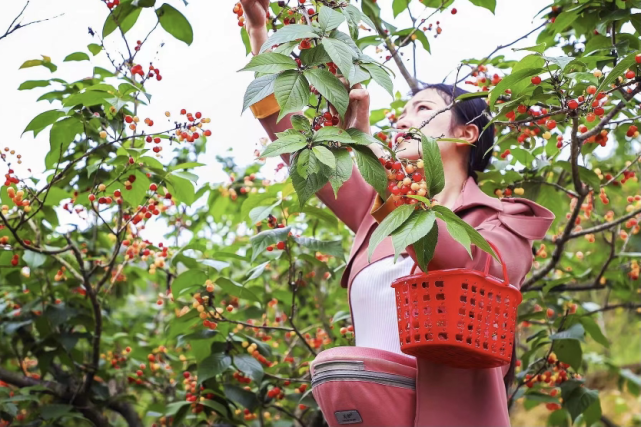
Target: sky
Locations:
point(203, 77)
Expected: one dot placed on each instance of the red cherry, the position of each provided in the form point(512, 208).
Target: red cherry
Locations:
point(281, 245)
point(599, 111)
point(207, 132)
point(92, 197)
point(397, 166)
point(454, 11)
point(536, 80)
point(153, 187)
point(131, 160)
point(129, 119)
point(630, 74)
point(550, 124)
point(416, 177)
point(400, 176)
point(572, 104)
point(591, 90)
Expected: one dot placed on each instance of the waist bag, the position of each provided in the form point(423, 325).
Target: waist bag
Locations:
point(365, 386)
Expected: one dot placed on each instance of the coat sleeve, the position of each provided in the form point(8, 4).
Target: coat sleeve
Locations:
point(354, 198)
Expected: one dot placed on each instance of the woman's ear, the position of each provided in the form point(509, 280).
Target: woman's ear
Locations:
point(469, 133)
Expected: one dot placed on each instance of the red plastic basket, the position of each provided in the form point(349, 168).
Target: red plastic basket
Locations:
point(457, 317)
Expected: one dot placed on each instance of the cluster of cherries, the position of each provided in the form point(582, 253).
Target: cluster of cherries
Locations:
point(112, 4)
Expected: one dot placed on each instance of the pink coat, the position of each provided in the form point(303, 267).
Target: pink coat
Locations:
point(450, 396)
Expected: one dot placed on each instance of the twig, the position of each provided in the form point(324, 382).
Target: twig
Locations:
point(18, 26)
point(621, 171)
point(501, 47)
point(604, 226)
point(630, 305)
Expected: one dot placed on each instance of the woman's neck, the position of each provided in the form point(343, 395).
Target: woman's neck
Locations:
point(455, 177)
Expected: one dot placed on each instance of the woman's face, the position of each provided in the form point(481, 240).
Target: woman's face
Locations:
point(420, 108)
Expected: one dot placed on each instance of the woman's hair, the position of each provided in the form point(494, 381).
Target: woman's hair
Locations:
point(468, 112)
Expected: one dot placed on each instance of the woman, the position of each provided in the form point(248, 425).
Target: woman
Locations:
point(446, 396)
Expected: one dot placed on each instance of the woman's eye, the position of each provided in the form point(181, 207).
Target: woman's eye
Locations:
point(423, 106)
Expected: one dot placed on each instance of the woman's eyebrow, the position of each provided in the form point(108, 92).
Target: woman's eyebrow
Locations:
point(416, 102)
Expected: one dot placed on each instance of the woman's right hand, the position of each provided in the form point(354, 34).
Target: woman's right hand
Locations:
point(255, 12)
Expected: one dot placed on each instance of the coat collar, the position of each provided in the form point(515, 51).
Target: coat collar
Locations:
point(472, 195)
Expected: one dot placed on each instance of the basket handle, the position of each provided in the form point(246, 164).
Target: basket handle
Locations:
point(486, 271)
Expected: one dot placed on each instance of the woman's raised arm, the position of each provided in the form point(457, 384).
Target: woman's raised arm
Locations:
point(356, 196)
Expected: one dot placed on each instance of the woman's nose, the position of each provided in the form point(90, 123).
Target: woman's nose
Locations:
point(403, 123)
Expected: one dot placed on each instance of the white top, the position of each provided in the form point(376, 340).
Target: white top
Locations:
point(373, 302)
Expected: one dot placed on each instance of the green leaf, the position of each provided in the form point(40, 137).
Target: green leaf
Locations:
point(425, 247)
point(175, 23)
point(433, 165)
point(300, 122)
point(53, 411)
point(145, 3)
point(561, 61)
point(94, 48)
point(332, 133)
point(187, 280)
point(289, 33)
point(575, 332)
point(42, 120)
point(77, 56)
point(35, 62)
point(265, 238)
point(341, 54)
point(325, 156)
point(329, 19)
point(30, 84)
point(343, 171)
point(292, 92)
point(329, 87)
point(235, 289)
point(474, 236)
point(218, 407)
point(586, 175)
point(618, 71)
point(362, 138)
point(592, 413)
point(487, 4)
point(262, 212)
point(139, 188)
point(314, 56)
point(250, 366)
point(259, 89)
point(55, 195)
point(580, 399)
point(358, 75)
point(563, 20)
point(371, 169)
point(399, 6)
point(390, 223)
point(183, 189)
point(239, 395)
point(213, 365)
point(509, 81)
point(569, 351)
point(33, 259)
point(418, 225)
point(125, 16)
point(303, 164)
point(334, 248)
point(381, 77)
point(269, 62)
point(63, 133)
point(286, 144)
point(594, 330)
point(307, 187)
point(245, 37)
